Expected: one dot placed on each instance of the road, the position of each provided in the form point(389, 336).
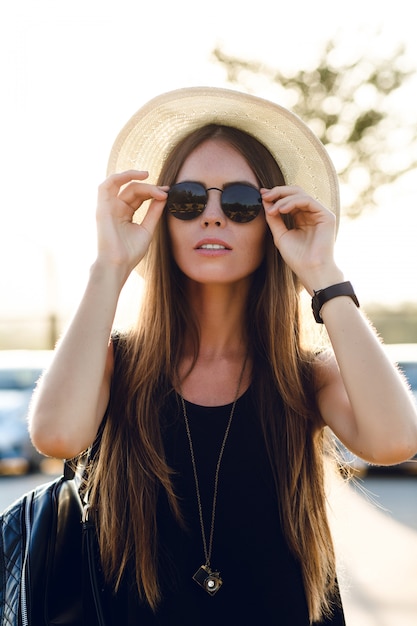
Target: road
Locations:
point(375, 529)
point(374, 522)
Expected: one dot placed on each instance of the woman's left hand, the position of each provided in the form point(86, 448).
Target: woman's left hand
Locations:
point(308, 247)
point(360, 396)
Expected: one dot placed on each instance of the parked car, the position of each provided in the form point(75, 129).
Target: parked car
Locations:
point(405, 356)
point(19, 372)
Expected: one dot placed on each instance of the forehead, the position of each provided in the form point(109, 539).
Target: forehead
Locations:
point(216, 159)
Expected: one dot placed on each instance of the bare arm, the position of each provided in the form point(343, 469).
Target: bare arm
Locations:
point(361, 395)
point(71, 398)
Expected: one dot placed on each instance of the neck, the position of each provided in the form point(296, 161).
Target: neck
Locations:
point(220, 311)
point(210, 377)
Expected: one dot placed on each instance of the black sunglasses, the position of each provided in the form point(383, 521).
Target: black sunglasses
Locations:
point(240, 202)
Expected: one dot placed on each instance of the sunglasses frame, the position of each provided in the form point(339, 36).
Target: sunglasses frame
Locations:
point(199, 205)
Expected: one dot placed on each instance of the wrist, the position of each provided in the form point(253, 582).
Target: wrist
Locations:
point(322, 296)
point(323, 277)
point(111, 274)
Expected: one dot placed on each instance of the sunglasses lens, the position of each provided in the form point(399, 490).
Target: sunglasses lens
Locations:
point(186, 200)
point(241, 203)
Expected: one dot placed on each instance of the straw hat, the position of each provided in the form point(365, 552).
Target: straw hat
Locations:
point(149, 136)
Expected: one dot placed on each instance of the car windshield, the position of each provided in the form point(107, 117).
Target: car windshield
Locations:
point(19, 379)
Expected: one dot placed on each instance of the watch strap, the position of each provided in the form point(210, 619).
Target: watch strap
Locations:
point(328, 293)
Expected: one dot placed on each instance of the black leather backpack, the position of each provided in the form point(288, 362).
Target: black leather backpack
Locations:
point(49, 568)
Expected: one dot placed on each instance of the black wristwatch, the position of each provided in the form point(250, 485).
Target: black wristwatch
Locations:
point(324, 295)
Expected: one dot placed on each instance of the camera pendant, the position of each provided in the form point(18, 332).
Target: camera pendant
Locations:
point(209, 580)
point(204, 576)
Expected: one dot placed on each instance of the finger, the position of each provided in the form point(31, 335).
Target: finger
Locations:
point(277, 226)
point(153, 215)
point(136, 193)
point(274, 198)
point(280, 191)
point(298, 203)
point(113, 183)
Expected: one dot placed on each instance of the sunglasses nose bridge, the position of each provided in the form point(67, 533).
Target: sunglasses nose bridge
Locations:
point(213, 209)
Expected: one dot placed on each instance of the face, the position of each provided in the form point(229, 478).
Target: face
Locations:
point(212, 248)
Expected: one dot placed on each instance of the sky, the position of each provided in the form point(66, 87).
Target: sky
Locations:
point(72, 74)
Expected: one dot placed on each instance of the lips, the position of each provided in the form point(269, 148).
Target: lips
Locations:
point(212, 244)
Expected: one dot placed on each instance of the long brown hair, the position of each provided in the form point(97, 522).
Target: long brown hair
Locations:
point(131, 466)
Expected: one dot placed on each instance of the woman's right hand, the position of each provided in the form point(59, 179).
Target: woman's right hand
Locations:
point(121, 242)
point(71, 398)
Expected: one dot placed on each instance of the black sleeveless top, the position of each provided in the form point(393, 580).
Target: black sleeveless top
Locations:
point(262, 581)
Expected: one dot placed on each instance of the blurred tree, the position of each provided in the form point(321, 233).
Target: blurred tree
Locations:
point(349, 107)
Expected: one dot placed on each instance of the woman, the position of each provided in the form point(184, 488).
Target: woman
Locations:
point(207, 488)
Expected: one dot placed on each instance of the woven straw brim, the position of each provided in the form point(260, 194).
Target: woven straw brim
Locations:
point(149, 136)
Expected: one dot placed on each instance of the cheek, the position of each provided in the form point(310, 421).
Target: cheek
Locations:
point(257, 242)
point(174, 236)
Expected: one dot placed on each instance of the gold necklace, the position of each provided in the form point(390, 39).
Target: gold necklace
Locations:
point(205, 576)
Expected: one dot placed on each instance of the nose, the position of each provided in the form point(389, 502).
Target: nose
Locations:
point(213, 213)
